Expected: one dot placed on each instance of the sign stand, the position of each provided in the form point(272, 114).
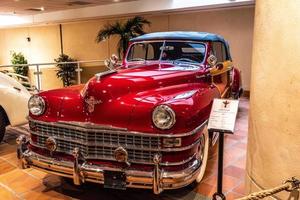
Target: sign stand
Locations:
point(219, 194)
point(222, 120)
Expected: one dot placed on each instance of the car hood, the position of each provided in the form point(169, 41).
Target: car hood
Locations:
point(140, 78)
point(118, 97)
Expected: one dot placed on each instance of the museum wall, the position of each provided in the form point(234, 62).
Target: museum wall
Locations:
point(274, 140)
point(236, 25)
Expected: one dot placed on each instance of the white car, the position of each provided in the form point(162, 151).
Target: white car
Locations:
point(13, 103)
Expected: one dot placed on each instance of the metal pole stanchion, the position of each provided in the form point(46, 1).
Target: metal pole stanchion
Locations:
point(219, 194)
point(38, 78)
point(78, 73)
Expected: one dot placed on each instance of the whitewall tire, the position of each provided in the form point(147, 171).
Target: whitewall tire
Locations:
point(203, 153)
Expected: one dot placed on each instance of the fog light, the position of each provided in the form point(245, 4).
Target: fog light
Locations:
point(171, 142)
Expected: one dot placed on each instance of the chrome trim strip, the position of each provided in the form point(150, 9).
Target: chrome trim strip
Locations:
point(105, 73)
point(103, 129)
point(166, 164)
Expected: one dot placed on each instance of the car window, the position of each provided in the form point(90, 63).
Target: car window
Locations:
point(144, 51)
point(219, 51)
point(169, 51)
point(184, 52)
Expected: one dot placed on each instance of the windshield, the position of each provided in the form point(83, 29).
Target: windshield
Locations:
point(168, 51)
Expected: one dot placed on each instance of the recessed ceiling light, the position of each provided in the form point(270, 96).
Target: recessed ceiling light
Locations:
point(36, 9)
point(116, 0)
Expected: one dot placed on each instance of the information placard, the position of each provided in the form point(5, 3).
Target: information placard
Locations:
point(223, 115)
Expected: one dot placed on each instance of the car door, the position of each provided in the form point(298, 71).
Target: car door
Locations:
point(221, 71)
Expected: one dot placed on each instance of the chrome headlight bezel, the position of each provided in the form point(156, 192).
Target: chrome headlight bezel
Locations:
point(160, 123)
point(36, 105)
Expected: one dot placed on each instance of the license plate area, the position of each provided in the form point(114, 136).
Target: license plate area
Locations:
point(115, 180)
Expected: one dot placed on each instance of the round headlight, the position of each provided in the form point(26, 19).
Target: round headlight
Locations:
point(163, 117)
point(36, 105)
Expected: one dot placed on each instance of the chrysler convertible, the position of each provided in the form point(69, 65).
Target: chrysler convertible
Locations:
point(142, 124)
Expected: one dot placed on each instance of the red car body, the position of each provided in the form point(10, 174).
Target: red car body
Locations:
point(104, 132)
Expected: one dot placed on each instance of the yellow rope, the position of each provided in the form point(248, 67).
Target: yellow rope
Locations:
point(289, 185)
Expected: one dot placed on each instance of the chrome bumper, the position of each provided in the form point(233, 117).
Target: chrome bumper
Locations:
point(81, 171)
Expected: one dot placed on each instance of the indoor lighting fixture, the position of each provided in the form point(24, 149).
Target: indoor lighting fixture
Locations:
point(6, 20)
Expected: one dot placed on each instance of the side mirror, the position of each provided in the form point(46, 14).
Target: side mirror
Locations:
point(212, 60)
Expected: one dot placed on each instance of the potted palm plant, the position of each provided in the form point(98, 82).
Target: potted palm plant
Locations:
point(131, 28)
point(66, 71)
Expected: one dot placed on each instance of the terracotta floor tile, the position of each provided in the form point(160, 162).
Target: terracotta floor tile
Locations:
point(212, 164)
point(6, 195)
point(241, 145)
point(240, 189)
point(6, 149)
point(5, 167)
point(228, 182)
point(232, 196)
point(237, 137)
point(11, 158)
point(228, 142)
point(39, 195)
point(19, 181)
point(36, 173)
point(241, 162)
point(206, 189)
point(235, 172)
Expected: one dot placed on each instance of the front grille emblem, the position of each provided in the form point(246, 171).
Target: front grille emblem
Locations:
point(121, 155)
point(51, 144)
point(91, 102)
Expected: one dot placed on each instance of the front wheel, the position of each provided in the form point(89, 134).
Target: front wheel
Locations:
point(2, 125)
point(203, 154)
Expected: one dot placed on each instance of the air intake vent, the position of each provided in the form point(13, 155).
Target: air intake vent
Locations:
point(78, 3)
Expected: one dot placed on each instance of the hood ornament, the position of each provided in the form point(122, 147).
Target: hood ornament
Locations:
point(91, 102)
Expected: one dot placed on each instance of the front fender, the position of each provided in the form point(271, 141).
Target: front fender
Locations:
point(190, 112)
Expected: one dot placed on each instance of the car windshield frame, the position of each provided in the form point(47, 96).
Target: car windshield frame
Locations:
point(162, 49)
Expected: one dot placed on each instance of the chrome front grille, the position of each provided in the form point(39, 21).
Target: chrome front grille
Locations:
point(97, 144)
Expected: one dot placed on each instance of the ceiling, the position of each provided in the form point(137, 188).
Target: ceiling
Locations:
point(30, 7)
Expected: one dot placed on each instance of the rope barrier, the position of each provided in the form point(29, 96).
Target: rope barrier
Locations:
point(289, 186)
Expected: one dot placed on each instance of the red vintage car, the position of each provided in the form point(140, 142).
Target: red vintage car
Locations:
point(141, 125)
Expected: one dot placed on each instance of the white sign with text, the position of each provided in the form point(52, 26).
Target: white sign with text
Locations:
point(223, 115)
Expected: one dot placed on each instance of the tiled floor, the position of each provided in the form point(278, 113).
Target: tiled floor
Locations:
point(34, 185)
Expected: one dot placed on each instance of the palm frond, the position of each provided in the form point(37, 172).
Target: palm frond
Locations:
point(134, 26)
point(108, 31)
